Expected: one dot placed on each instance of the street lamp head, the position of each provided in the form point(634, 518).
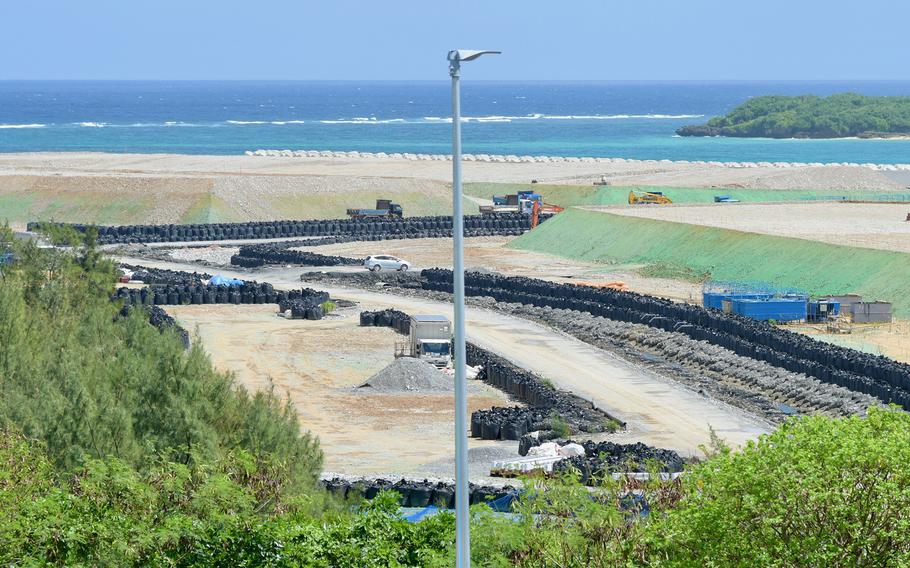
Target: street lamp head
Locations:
point(469, 54)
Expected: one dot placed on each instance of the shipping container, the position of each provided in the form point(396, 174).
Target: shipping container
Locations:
point(821, 310)
point(715, 299)
point(778, 309)
point(872, 312)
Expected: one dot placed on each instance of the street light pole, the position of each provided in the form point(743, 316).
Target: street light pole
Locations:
point(462, 525)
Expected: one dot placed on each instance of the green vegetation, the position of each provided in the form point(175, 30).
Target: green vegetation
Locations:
point(560, 427)
point(818, 492)
point(575, 195)
point(809, 116)
point(667, 248)
point(91, 385)
point(328, 306)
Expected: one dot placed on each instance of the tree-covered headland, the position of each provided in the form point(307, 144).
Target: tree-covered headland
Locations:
point(809, 116)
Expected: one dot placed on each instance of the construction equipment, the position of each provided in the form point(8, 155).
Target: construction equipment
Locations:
point(522, 202)
point(649, 198)
point(429, 339)
point(539, 207)
point(384, 208)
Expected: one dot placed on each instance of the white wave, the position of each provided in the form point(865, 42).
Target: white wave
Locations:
point(91, 124)
point(540, 116)
point(283, 122)
point(4, 126)
point(617, 116)
point(167, 124)
point(362, 120)
point(246, 121)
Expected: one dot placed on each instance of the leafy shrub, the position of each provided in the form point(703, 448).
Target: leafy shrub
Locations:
point(816, 492)
point(92, 385)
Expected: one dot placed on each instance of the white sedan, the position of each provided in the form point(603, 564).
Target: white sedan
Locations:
point(386, 262)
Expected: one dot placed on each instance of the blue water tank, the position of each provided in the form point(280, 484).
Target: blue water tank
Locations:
point(715, 299)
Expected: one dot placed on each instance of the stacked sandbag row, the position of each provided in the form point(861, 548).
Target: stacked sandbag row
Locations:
point(161, 320)
point(435, 226)
point(397, 320)
point(604, 458)
point(164, 276)
point(546, 404)
point(248, 293)
point(171, 295)
point(615, 457)
point(414, 493)
point(254, 256)
point(875, 375)
point(513, 422)
point(309, 305)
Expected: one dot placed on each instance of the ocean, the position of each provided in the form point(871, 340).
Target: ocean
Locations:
point(600, 119)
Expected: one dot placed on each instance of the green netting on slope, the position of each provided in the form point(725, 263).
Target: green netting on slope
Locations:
point(571, 195)
point(817, 268)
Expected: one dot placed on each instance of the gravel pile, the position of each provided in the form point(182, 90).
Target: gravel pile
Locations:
point(408, 375)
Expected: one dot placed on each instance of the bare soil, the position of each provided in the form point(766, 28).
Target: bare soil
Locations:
point(866, 225)
point(319, 364)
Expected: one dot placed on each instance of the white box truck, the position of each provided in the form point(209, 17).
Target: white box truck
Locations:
point(430, 340)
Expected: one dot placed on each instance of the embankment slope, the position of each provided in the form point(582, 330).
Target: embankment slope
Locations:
point(699, 251)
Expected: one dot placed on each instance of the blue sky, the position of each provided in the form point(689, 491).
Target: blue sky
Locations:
point(408, 39)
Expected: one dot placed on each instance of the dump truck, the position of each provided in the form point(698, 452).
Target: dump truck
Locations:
point(522, 202)
point(429, 339)
point(384, 208)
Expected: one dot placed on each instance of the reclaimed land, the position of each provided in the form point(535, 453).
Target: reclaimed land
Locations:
point(698, 252)
point(572, 195)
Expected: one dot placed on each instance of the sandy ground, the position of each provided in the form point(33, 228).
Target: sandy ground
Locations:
point(491, 253)
point(657, 410)
point(481, 254)
point(891, 339)
point(318, 365)
point(649, 172)
point(867, 225)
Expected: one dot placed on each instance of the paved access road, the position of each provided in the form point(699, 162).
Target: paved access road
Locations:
point(657, 411)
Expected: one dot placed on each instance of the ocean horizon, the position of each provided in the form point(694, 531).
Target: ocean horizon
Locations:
point(627, 119)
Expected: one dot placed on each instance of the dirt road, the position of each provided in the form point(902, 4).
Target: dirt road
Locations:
point(657, 410)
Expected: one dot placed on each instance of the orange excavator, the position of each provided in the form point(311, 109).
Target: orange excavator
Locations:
point(541, 207)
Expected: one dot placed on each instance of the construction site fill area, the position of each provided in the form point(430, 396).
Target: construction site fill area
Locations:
point(657, 411)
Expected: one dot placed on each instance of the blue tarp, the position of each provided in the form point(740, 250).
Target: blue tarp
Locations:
point(501, 505)
point(632, 504)
point(422, 514)
point(220, 280)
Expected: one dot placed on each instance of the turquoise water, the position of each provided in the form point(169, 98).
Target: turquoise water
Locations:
point(629, 120)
